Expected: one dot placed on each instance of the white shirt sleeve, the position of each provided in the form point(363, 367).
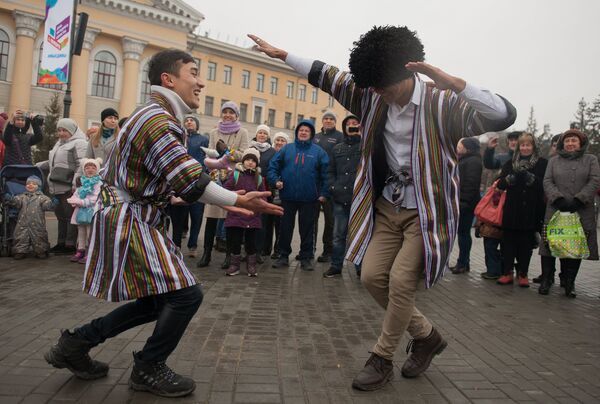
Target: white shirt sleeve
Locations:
point(301, 65)
point(484, 102)
point(216, 195)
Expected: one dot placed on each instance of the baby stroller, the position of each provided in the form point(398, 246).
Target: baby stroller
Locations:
point(12, 182)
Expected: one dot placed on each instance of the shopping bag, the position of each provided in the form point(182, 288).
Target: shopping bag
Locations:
point(565, 236)
point(490, 207)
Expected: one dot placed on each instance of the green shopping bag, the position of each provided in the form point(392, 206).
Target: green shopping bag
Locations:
point(565, 236)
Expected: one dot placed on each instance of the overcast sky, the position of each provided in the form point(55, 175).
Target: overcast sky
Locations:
point(540, 53)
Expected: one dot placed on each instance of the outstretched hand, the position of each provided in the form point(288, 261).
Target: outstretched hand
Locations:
point(267, 48)
point(256, 202)
point(441, 79)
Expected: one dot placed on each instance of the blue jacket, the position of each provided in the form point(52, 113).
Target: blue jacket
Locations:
point(302, 166)
point(194, 144)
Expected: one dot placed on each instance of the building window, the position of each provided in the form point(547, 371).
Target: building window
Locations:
point(145, 87)
point(290, 89)
point(287, 122)
point(260, 82)
point(245, 79)
point(227, 75)
point(4, 46)
point(330, 102)
point(302, 92)
point(212, 71)
point(274, 84)
point(271, 120)
point(243, 112)
point(198, 63)
point(257, 114)
point(300, 118)
point(223, 101)
point(52, 86)
point(315, 95)
point(105, 74)
point(313, 120)
point(209, 104)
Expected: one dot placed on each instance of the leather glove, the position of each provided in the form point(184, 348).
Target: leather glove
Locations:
point(511, 179)
point(529, 178)
point(562, 204)
point(221, 147)
point(575, 205)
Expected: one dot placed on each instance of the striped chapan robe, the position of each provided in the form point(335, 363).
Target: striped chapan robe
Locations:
point(441, 119)
point(130, 255)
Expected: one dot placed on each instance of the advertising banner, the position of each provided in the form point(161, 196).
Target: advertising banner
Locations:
point(54, 67)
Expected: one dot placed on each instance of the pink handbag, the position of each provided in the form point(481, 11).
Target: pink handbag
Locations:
point(490, 207)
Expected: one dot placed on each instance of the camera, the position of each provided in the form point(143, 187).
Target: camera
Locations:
point(353, 129)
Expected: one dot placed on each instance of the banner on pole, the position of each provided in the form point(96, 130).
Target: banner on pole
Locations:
point(54, 66)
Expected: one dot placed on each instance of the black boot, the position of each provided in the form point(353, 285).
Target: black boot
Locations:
point(570, 269)
point(205, 259)
point(376, 373)
point(227, 261)
point(547, 275)
point(72, 352)
point(157, 378)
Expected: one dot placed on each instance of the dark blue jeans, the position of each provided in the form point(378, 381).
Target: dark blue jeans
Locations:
point(196, 215)
point(464, 237)
point(172, 312)
point(179, 218)
point(306, 224)
point(341, 215)
point(493, 257)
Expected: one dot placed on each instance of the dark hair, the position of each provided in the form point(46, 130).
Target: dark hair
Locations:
point(166, 61)
point(378, 57)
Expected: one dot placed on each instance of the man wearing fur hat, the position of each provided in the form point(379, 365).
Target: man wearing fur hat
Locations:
point(327, 139)
point(130, 255)
point(404, 212)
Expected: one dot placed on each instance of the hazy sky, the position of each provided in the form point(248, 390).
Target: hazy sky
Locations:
point(540, 53)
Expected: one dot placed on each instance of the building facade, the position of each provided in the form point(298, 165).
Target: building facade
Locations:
point(111, 71)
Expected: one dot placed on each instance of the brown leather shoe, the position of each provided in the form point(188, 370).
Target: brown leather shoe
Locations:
point(376, 373)
point(422, 352)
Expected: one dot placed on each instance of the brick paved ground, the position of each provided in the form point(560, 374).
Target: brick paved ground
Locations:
point(293, 337)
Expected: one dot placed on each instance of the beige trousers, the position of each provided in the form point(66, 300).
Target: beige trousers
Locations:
point(391, 269)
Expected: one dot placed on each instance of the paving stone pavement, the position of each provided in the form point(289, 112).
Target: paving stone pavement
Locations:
point(291, 337)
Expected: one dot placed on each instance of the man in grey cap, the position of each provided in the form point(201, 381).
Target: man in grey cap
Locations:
point(327, 139)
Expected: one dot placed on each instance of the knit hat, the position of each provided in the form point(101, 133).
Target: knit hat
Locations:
point(195, 120)
point(345, 122)
point(514, 135)
point(34, 178)
point(471, 144)
point(97, 162)
point(108, 112)
point(68, 124)
point(282, 135)
point(307, 123)
point(251, 153)
point(330, 114)
point(265, 128)
point(231, 105)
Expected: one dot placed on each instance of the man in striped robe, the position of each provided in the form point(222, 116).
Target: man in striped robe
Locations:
point(404, 213)
point(130, 255)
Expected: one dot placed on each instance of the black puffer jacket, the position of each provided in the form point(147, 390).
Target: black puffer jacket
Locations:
point(343, 165)
point(327, 139)
point(18, 142)
point(469, 170)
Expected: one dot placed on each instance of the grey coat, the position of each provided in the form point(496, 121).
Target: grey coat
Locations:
point(577, 178)
point(67, 154)
point(30, 231)
point(102, 151)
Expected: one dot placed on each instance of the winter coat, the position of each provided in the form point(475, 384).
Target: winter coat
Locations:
point(302, 166)
point(574, 178)
point(30, 231)
point(194, 143)
point(469, 171)
point(103, 150)
point(18, 142)
point(88, 202)
point(493, 161)
point(239, 142)
point(248, 181)
point(67, 154)
point(343, 165)
point(328, 139)
point(524, 205)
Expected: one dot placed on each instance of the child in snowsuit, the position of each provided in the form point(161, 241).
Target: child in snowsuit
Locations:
point(83, 200)
point(30, 231)
point(246, 176)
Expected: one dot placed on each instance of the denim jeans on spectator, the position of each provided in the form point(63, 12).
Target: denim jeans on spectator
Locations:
point(465, 223)
point(306, 224)
point(196, 215)
point(341, 215)
point(172, 312)
point(493, 257)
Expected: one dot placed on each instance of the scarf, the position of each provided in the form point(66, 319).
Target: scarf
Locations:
point(227, 128)
point(107, 133)
point(571, 155)
point(524, 163)
point(261, 147)
point(87, 185)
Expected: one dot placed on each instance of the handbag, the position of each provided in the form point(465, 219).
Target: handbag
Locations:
point(62, 175)
point(490, 207)
point(84, 215)
point(566, 237)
